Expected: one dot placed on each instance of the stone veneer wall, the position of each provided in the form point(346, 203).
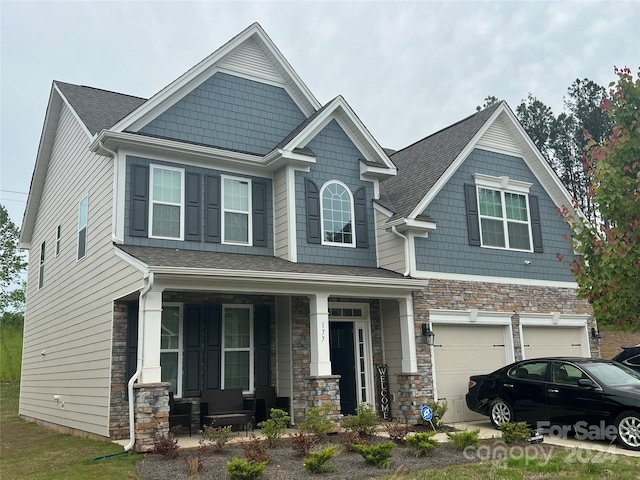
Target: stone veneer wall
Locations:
point(151, 414)
point(118, 403)
point(460, 295)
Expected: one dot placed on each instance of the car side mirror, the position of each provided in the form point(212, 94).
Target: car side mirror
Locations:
point(586, 383)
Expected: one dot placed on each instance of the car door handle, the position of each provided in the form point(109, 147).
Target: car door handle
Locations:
point(553, 390)
point(508, 385)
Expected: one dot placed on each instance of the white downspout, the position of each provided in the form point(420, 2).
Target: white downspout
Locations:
point(148, 277)
point(406, 250)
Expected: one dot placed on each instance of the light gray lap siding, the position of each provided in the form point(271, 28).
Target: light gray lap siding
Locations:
point(447, 250)
point(193, 245)
point(337, 158)
point(230, 112)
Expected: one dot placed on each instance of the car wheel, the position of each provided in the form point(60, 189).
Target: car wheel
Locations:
point(501, 412)
point(628, 427)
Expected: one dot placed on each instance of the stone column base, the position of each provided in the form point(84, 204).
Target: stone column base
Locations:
point(410, 397)
point(325, 390)
point(151, 410)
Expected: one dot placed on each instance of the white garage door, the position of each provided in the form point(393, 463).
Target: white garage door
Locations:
point(461, 351)
point(552, 341)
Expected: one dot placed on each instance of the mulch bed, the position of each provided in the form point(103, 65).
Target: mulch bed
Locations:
point(285, 464)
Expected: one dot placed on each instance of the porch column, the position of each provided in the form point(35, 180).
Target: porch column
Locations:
point(408, 335)
point(319, 332)
point(151, 320)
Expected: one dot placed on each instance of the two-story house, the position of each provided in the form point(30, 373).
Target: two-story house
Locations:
point(231, 231)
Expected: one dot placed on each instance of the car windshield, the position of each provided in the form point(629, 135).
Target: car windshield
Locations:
point(612, 374)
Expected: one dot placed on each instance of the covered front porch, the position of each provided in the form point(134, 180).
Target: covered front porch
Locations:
point(315, 333)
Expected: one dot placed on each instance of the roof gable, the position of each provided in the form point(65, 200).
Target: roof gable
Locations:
point(426, 166)
point(251, 54)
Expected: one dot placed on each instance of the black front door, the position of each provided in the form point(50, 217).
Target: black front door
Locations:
point(343, 364)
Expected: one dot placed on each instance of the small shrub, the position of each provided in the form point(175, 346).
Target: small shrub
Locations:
point(318, 421)
point(254, 450)
point(517, 432)
point(302, 442)
point(397, 431)
point(316, 461)
point(167, 445)
point(352, 438)
point(462, 440)
point(216, 437)
point(241, 469)
point(364, 421)
point(378, 455)
point(194, 465)
point(438, 409)
point(275, 426)
point(422, 443)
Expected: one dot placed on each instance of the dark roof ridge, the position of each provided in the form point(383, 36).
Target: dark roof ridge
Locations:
point(100, 89)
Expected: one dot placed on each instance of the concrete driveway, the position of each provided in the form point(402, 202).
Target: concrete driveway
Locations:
point(488, 431)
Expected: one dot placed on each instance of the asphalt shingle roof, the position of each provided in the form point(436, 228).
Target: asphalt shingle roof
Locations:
point(99, 109)
point(170, 257)
point(421, 164)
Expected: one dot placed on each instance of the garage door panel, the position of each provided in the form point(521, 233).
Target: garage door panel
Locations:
point(461, 351)
point(552, 341)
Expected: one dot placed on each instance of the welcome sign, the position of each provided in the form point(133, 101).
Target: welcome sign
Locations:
point(383, 394)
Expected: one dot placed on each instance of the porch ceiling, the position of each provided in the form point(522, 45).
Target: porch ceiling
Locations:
point(264, 273)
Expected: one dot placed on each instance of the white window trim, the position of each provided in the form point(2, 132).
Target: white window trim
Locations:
point(179, 350)
point(249, 211)
point(353, 220)
point(224, 350)
point(80, 227)
point(503, 185)
point(58, 239)
point(152, 202)
point(43, 251)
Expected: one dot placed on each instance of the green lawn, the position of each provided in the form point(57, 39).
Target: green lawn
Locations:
point(32, 452)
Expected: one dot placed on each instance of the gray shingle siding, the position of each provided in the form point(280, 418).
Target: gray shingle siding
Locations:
point(191, 245)
point(337, 159)
point(447, 249)
point(232, 113)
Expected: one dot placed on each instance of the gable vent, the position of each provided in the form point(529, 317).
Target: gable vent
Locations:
point(498, 138)
point(249, 59)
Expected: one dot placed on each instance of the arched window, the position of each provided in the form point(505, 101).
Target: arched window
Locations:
point(337, 214)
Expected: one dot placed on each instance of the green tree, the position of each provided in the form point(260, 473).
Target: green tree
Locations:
point(489, 100)
point(537, 119)
point(12, 264)
point(607, 268)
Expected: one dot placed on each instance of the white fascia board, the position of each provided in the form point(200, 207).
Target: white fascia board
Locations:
point(199, 73)
point(411, 224)
point(446, 176)
point(372, 172)
point(333, 111)
point(269, 281)
point(134, 262)
point(74, 113)
point(280, 158)
point(556, 319)
point(198, 155)
point(499, 280)
point(383, 210)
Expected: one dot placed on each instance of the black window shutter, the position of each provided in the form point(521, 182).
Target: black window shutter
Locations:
point(312, 195)
point(192, 355)
point(212, 209)
point(262, 345)
point(536, 225)
point(259, 213)
point(139, 224)
point(132, 343)
point(192, 207)
point(212, 346)
point(360, 209)
point(473, 225)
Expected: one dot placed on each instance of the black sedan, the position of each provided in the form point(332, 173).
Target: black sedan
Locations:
point(596, 398)
point(629, 356)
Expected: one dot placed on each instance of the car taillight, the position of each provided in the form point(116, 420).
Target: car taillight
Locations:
point(471, 384)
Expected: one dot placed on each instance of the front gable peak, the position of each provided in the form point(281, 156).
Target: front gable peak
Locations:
point(251, 54)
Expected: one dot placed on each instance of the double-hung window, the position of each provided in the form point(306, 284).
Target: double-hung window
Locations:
point(170, 347)
point(167, 203)
point(503, 207)
point(236, 210)
point(237, 352)
point(83, 219)
point(337, 215)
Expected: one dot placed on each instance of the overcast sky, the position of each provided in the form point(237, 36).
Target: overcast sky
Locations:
point(407, 69)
